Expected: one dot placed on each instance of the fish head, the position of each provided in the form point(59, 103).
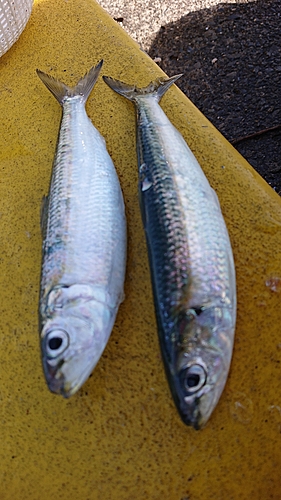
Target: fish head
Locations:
point(200, 383)
point(202, 363)
point(72, 340)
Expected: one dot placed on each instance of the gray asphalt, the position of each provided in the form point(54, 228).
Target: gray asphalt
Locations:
point(230, 55)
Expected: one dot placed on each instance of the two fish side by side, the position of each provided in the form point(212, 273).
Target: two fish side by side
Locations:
point(84, 244)
point(84, 252)
point(191, 262)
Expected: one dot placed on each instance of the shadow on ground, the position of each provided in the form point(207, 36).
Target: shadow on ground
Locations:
point(231, 59)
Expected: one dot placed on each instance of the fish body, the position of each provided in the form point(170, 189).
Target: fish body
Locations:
point(84, 245)
point(191, 261)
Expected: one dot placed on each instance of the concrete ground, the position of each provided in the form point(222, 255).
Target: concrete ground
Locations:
point(142, 19)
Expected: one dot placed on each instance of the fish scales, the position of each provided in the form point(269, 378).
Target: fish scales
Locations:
point(162, 215)
point(191, 261)
point(84, 206)
point(189, 269)
point(84, 245)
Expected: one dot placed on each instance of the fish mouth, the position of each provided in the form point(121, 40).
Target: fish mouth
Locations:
point(193, 418)
point(54, 377)
point(58, 383)
point(68, 392)
point(194, 421)
point(58, 386)
point(196, 412)
point(190, 411)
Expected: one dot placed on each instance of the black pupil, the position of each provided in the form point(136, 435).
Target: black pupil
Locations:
point(192, 380)
point(55, 343)
point(198, 310)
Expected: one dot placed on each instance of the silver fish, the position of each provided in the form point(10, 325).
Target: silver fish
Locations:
point(84, 244)
point(191, 261)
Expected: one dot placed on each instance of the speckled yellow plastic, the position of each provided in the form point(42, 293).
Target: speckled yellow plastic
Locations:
point(120, 437)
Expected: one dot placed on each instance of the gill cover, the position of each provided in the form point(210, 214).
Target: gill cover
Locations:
point(78, 323)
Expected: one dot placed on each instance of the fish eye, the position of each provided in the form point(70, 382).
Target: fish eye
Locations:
point(56, 342)
point(193, 378)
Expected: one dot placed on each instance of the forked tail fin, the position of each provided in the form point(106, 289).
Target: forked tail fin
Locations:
point(131, 92)
point(83, 87)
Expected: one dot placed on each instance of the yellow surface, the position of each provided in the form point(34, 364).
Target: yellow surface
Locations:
point(120, 437)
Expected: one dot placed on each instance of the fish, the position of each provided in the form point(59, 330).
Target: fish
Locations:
point(84, 244)
point(191, 261)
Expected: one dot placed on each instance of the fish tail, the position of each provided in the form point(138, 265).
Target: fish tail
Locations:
point(131, 92)
point(83, 87)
